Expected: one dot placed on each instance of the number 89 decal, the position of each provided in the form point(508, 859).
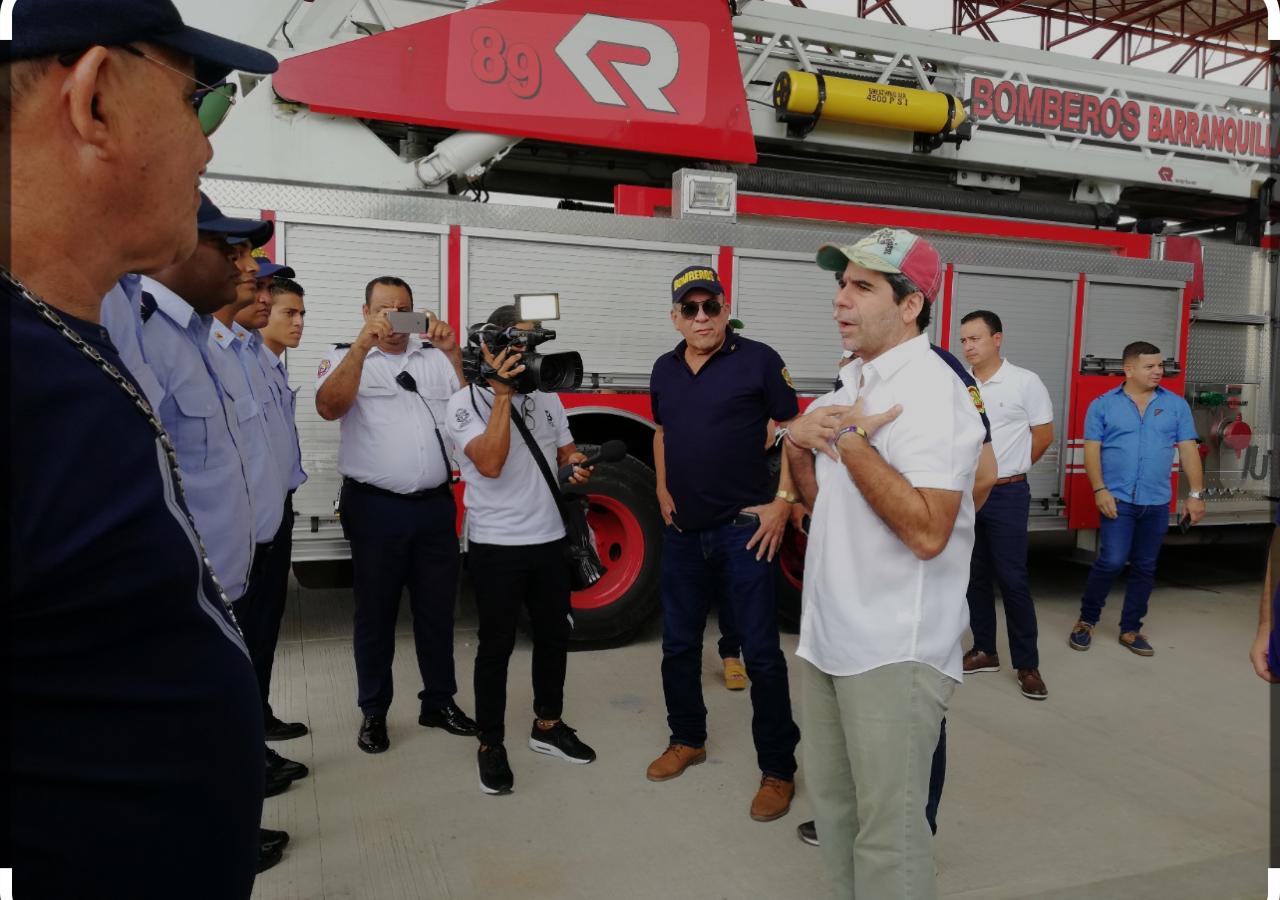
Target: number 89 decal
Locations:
point(494, 62)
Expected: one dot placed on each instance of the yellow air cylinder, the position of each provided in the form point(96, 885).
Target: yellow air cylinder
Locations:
point(805, 95)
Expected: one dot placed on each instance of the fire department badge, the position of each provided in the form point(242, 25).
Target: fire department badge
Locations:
point(462, 417)
point(786, 376)
point(977, 400)
point(324, 367)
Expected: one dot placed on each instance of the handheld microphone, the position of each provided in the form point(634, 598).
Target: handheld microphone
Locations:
point(610, 451)
point(406, 381)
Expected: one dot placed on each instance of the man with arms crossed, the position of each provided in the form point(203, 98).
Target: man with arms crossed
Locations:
point(884, 606)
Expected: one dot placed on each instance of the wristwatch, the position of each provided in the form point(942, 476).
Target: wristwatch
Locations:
point(787, 496)
point(1195, 495)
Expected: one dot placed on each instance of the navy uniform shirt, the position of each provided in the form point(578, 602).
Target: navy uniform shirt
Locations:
point(715, 424)
point(137, 750)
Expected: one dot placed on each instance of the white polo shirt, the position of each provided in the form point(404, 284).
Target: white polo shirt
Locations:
point(387, 438)
point(1016, 400)
point(515, 509)
point(868, 600)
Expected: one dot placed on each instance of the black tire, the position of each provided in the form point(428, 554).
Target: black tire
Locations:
point(787, 583)
point(625, 517)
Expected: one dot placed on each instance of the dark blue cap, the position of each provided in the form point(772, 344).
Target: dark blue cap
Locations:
point(269, 269)
point(695, 278)
point(49, 27)
point(210, 218)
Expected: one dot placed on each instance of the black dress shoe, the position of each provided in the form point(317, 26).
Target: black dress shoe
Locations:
point(373, 735)
point(284, 768)
point(451, 719)
point(276, 784)
point(268, 857)
point(283, 731)
point(270, 839)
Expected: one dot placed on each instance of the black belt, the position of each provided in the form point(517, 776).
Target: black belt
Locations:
point(440, 490)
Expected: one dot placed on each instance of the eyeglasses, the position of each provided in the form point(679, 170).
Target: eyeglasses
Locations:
point(210, 102)
point(689, 308)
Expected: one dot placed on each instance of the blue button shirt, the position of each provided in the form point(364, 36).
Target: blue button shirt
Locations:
point(278, 377)
point(121, 316)
point(1137, 450)
point(715, 424)
point(236, 367)
point(201, 421)
point(130, 689)
point(277, 407)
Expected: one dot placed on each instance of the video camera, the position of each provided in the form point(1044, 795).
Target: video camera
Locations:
point(542, 371)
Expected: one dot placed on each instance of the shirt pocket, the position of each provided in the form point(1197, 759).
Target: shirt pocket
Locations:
point(192, 427)
point(247, 408)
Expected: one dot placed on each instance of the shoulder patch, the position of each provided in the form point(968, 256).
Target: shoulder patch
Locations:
point(786, 376)
point(976, 397)
point(462, 418)
point(324, 367)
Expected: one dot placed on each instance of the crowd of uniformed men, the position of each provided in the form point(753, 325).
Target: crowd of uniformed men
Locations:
point(154, 430)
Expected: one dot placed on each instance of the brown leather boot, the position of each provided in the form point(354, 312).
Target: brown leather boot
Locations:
point(773, 800)
point(673, 761)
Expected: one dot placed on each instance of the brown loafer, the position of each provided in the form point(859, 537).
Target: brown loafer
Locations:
point(773, 800)
point(976, 661)
point(673, 761)
point(1032, 684)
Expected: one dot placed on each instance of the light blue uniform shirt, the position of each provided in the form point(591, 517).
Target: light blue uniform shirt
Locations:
point(236, 370)
point(201, 422)
point(1137, 450)
point(275, 407)
point(122, 318)
point(278, 377)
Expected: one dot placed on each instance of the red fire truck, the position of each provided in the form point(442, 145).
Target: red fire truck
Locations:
point(1060, 192)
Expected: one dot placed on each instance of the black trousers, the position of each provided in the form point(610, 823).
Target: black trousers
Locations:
point(402, 542)
point(506, 578)
point(261, 609)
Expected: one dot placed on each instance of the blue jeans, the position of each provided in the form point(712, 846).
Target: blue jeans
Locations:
point(701, 567)
point(1133, 536)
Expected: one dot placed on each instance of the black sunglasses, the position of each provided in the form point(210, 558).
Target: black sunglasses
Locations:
point(689, 308)
point(210, 102)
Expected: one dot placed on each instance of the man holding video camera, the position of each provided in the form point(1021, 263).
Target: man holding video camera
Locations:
point(397, 508)
point(516, 536)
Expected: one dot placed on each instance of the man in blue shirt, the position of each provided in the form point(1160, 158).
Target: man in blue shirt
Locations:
point(713, 397)
point(134, 749)
point(1129, 438)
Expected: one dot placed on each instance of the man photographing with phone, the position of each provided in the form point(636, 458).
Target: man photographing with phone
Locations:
point(397, 508)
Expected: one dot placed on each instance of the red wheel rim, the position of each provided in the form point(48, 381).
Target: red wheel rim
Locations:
point(620, 543)
point(791, 557)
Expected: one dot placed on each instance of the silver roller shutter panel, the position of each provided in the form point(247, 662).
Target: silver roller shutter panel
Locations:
point(1118, 314)
point(786, 303)
point(334, 264)
point(615, 302)
point(1036, 314)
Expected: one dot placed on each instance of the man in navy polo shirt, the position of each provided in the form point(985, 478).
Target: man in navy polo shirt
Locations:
point(136, 750)
point(713, 397)
point(1129, 438)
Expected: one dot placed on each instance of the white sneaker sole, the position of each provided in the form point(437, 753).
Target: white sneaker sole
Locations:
point(489, 790)
point(549, 750)
point(983, 669)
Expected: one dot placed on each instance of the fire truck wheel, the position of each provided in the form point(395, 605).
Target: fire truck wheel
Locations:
point(627, 524)
point(790, 578)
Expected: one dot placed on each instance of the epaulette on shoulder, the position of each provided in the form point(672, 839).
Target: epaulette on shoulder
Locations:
point(341, 346)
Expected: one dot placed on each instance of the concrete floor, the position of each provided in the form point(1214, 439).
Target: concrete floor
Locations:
point(1137, 778)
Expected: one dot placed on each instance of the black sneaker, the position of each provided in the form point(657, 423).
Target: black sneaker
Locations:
point(495, 772)
point(808, 832)
point(561, 741)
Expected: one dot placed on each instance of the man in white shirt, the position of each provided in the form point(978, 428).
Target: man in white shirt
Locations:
point(1021, 415)
point(516, 550)
point(892, 531)
point(397, 507)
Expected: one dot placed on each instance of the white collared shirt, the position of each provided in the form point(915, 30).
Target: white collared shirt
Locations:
point(1016, 401)
point(387, 437)
point(868, 600)
point(516, 509)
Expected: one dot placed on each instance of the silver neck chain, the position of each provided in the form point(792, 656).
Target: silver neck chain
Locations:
point(51, 318)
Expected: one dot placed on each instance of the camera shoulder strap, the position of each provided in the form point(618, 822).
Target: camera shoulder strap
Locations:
point(538, 457)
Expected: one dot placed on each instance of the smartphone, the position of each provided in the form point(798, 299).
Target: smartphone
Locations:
point(743, 519)
point(1184, 523)
point(407, 322)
